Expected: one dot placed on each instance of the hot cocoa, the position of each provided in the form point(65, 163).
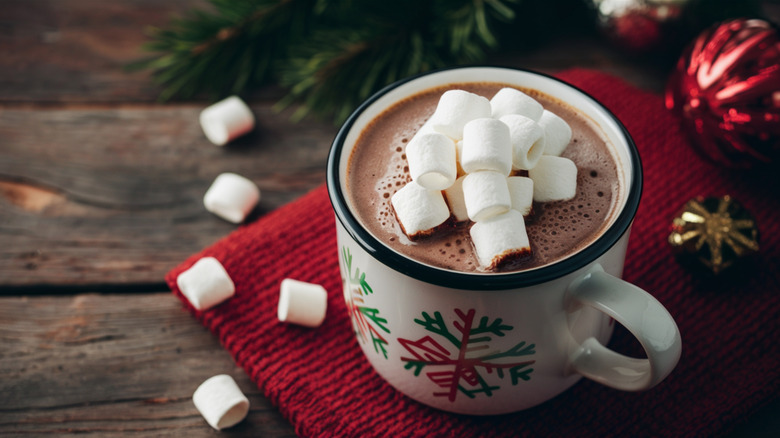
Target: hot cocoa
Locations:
point(378, 168)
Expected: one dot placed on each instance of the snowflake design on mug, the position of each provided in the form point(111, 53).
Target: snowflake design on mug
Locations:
point(461, 368)
point(366, 320)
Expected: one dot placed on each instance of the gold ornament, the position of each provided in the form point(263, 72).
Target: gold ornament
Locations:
point(715, 231)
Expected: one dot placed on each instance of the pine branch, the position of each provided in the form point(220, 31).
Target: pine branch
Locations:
point(225, 51)
point(342, 64)
point(330, 54)
point(338, 68)
point(470, 26)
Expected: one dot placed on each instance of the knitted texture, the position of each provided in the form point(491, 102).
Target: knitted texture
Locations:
point(320, 381)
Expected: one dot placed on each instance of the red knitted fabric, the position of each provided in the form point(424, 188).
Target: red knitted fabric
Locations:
point(320, 381)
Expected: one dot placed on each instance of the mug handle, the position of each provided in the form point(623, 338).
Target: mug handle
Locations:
point(638, 312)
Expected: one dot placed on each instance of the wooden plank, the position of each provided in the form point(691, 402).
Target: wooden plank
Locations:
point(113, 195)
point(77, 50)
point(113, 365)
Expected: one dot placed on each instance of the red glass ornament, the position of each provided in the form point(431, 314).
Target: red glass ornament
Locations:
point(726, 90)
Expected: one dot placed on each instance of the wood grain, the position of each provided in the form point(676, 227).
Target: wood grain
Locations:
point(113, 195)
point(113, 365)
point(77, 50)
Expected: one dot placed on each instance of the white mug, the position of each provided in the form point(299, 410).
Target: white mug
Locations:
point(488, 343)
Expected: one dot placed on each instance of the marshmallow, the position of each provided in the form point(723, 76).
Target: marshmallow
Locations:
point(527, 141)
point(555, 179)
point(499, 239)
point(486, 146)
point(226, 120)
point(231, 197)
point(419, 210)
point(521, 192)
point(557, 133)
point(302, 303)
point(426, 128)
point(455, 109)
point(511, 101)
point(432, 162)
point(486, 194)
point(454, 198)
point(458, 155)
point(206, 283)
point(221, 402)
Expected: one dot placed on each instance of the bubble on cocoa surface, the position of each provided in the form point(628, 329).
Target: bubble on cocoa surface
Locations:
point(396, 176)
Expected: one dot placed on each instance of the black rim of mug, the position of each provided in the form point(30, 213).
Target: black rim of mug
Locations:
point(478, 280)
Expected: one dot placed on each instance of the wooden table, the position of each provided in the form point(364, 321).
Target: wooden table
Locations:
point(101, 194)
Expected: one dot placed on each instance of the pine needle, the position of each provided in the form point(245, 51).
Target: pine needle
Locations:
point(329, 54)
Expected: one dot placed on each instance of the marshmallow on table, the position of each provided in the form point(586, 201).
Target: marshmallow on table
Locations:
point(221, 402)
point(302, 303)
point(454, 197)
point(226, 120)
point(521, 192)
point(231, 197)
point(499, 239)
point(557, 133)
point(555, 179)
point(486, 194)
point(455, 109)
point(432, 161)
point(527, 139)
point(206, 283)
point(487, 145)
point(419, 210)
point(511, 101)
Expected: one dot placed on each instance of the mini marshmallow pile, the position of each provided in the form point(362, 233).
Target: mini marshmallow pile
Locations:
point(464, 163)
